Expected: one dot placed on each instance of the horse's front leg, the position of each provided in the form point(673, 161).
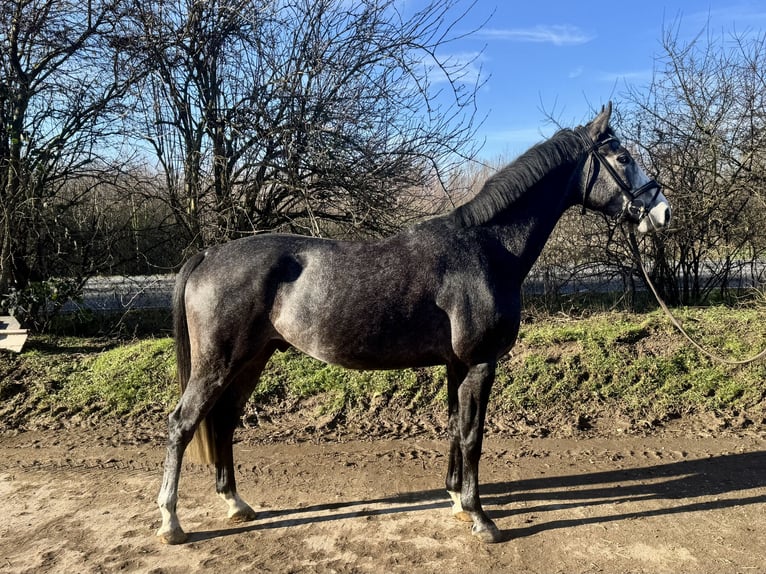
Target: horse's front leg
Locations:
point(472, 398)
point(454, 482)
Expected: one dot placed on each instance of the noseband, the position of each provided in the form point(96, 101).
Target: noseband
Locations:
point(634, 209)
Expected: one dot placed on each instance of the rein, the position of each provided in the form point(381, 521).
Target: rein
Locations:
point(676, 323)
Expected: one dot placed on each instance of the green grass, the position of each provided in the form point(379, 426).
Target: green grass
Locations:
point(296, 376)
point(125, 380)
point(636, 363)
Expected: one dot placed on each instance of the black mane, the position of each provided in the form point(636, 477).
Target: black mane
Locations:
point(511, 182)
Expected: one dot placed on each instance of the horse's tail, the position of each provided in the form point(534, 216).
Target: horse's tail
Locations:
point(202, 447)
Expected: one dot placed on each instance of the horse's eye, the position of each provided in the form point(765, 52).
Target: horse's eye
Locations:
point(624, 159)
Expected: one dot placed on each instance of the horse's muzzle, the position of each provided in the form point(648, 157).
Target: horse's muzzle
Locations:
point(656, 217)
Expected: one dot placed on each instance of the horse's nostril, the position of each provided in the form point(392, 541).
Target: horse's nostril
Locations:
point(666, 214)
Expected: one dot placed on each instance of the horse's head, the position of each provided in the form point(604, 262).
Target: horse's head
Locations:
point(614, 184)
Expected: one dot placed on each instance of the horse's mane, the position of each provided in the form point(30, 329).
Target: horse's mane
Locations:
point(511, 182)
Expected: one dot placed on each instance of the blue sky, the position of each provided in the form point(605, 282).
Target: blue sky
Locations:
point(566, 58)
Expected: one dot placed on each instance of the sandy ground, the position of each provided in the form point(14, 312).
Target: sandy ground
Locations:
point(80, 501)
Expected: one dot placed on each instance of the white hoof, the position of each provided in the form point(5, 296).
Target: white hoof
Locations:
point(457, 508)
point(172, 535)
point(239, 510)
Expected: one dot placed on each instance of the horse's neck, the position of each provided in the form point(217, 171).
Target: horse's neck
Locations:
point(525, 229)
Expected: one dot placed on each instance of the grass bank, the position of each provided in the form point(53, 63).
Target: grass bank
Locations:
point(633, 364)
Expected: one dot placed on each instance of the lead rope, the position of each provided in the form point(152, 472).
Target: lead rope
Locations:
point(637, 255)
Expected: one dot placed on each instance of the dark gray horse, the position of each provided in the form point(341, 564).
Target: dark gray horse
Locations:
point(446, 291)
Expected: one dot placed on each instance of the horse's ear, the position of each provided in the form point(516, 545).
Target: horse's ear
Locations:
point(600, 123)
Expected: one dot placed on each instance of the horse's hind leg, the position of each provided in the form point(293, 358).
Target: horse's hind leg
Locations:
point(224, 418)
point(196, 401)
point(182, 423)
point(170, 532)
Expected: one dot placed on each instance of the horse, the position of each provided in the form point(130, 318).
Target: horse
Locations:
point(446, 290)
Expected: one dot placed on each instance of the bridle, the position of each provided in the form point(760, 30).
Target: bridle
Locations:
point(634, 209)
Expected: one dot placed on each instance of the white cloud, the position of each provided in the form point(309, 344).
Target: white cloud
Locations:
point(746, 13)
point(558, 35)
point(464, 67)
point(630, 76)
point(743, 20)
point(576, 72)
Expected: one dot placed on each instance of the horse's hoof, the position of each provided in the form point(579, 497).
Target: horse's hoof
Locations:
point(172, 535)
point(462, 516)
point(243, 515)
point(489, 534)
point(457, 508)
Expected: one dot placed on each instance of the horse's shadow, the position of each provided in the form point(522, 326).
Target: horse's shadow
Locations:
point(678, 484)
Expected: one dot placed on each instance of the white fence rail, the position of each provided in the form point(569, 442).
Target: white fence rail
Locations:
point(114, 294)
point(111, 294)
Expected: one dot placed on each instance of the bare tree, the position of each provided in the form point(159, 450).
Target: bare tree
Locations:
point(702, 130)
point(59, 89)
point(316, 116)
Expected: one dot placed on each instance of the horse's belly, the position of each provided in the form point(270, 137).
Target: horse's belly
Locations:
point(355, 345)
point(375, 320)
point(383, 358)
